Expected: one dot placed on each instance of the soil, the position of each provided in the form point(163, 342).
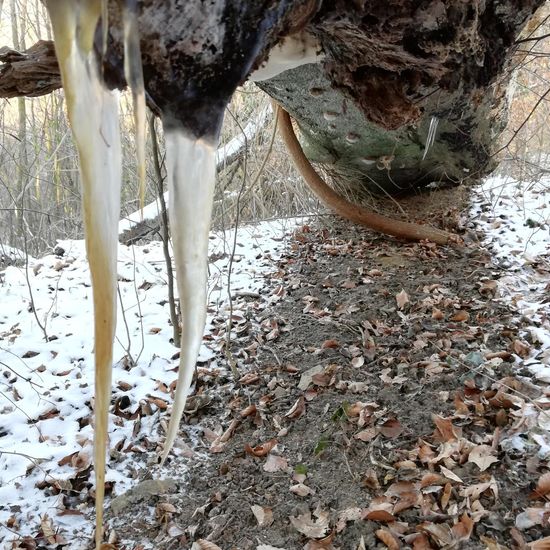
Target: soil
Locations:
point(417, 371)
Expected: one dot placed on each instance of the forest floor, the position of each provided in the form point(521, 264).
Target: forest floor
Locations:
point(388, 395)
point(383, 400)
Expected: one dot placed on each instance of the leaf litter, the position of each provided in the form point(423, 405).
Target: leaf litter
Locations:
point(393, 398)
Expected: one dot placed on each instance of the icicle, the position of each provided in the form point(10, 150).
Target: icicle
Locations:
point(134, 76)
point(191, 170)
point(93, 113)
point(430, 139)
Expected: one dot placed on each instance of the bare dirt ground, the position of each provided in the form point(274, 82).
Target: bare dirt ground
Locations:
point(381, 403)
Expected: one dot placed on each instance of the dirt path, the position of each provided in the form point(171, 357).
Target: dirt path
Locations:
point(382, 403)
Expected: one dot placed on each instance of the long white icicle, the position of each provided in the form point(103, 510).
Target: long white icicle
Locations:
point(93, 113)
point(191, 170)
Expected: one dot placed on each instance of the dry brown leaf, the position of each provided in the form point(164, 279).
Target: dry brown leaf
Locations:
point(349, 514)
point(460, 316)
point(402, 299)
point(330, 344)
point(366, 435)
point(521, 348)
point(482, 456)
point(530, 517)
point(379, 515)
point(437, 314)
point(421, 542)
point(543, 487)
point(388, 539)
point(440, 532)
point(261, 450)
point(445, 497)
point(247, 411)
point(203, 544)
point(311, 528)
point(463, 529)
point(297, 409)
point(450, 475)
point(541, 544)
point(445, 428)
point(275, 463)
point(301, 490)
point(249, 378)
point(264, 516)
point(391, 428)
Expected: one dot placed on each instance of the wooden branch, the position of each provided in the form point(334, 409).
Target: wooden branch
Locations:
point(346, 209)
point(32, 73)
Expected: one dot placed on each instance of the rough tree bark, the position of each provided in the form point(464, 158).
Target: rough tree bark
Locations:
point(394, 70)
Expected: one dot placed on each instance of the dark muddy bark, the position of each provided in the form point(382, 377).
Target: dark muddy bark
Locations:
point(392, 69)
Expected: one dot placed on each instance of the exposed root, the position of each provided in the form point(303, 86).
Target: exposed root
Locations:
point(346, 209)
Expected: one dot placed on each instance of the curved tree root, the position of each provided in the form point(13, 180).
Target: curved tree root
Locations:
point(346, 209)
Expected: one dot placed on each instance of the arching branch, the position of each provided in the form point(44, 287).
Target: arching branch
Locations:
point(346, 209)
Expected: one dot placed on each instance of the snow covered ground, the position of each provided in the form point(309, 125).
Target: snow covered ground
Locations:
point(46, 387)
point(46, 361)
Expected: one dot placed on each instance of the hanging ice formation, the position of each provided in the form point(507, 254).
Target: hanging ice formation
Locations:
point(192, 117)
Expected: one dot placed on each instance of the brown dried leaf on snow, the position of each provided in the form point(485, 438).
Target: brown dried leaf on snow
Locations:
point(531, 517)
point(521, 348)
point(310, 527)
point(482, 456)
point(263, 515)
point(402, 299)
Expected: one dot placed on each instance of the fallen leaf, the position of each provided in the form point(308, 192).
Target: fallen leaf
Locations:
point(305, 379)
point(541, 544)
point(297, 409)
point(521, 348)
point(437, 314)
point(450, 475)
point(542, 488)
point(391, 428)
point(247, 411)
point(402, 299)
point(366, 435)
point(530, 517)
point(275, 463)
point(463, 529)
point(357, 362)
point(388, 539)
point(460, 316)
point(261, 450)
point(379, 515)
point(446, 430)
point(264, 516)
point(301, 490)
point(482, 456)
point(349, 514)
point(311, 528)
point(203, 544)
point(330, 344)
